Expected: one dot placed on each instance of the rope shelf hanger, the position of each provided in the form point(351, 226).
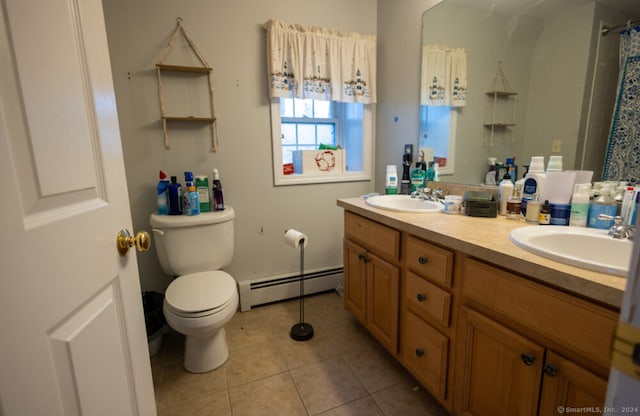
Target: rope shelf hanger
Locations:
point(204, 69)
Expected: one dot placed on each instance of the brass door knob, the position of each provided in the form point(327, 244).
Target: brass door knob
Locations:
point(125, 241)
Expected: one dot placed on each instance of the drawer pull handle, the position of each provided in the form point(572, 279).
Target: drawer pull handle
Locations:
point(421, 297)
point(528, 358)
point(423, 260)
point(363, 258)
point(550, 370)
point(419, 353)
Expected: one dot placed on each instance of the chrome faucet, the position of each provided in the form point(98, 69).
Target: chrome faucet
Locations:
point(620, 229)
point(427, 194)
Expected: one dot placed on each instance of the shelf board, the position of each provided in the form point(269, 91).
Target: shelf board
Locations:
point(189, 118)
point(181, 68)
point(499, 125)
point(501, 93)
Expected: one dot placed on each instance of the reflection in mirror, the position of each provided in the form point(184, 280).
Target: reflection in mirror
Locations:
point(553, 57)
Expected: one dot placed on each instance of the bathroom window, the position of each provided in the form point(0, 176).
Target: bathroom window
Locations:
point(301, 127)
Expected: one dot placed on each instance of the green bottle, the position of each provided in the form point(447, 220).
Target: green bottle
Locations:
point(418, 176)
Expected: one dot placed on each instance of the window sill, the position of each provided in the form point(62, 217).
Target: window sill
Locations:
point(301, 179)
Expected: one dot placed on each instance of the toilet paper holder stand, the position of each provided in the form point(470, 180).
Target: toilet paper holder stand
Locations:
point(301, 331)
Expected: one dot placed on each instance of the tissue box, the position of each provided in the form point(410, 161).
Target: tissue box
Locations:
point(319, 162)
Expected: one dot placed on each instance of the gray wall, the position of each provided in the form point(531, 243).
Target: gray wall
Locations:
point(231, 38)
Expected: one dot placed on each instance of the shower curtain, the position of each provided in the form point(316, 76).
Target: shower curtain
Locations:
point(622, 161)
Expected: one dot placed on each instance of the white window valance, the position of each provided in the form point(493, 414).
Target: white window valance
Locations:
point(444, 76)
point(321, 64)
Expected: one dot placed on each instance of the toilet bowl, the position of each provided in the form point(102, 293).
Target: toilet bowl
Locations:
point(202, 298)
point(198, 305)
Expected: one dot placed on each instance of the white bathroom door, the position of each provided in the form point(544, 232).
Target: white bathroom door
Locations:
point(72, 334)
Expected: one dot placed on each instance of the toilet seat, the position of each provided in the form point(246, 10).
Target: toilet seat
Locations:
point(200, 294)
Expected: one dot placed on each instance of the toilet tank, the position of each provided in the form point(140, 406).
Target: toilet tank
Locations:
point(190, 244)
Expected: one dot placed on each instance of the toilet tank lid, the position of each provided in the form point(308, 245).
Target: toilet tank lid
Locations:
point(178, 221)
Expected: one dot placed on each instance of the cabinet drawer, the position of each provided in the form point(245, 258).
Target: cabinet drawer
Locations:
point(426, 352)
point(430, 261)
point(382, 240)
point(425, 298)
point(577, 324)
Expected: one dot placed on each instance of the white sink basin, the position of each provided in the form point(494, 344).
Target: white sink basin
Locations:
point(588, 248)
point(403, 203)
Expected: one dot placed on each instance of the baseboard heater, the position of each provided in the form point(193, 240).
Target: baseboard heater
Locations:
point(275, 288)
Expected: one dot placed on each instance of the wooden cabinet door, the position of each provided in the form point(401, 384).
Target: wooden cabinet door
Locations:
point(383, 282)
point(567, 386)
point(500, 370)
point(355, 280)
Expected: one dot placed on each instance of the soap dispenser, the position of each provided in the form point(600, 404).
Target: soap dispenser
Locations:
point(490, 178)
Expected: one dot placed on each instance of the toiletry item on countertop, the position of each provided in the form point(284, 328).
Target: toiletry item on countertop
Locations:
point(490, 177)
point(602, 204)
point(545, 214)
point(202, 187)
point(480, 204)
point(580, 205)
point(218, 197)
point(190, 203)
point(163, 194)
point(175, 197)
point(418, 176)
point(535, 177)
point(392, 180)
point(505, 189)
point(514, 205)
point(555, 164)
point(533, 209)
point(431, 173)
point(436, 172)
point(560, 214)
point(407, 160)
point(512, 168)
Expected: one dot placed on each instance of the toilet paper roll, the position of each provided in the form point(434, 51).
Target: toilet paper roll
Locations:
point(295, 238)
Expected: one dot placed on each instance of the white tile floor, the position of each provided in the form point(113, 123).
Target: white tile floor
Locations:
point(341, 371)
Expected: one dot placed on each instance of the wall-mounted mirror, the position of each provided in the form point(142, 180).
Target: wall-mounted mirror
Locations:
point(562, 70)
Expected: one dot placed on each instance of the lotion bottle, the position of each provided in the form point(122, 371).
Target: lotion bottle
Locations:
point(392, 180)
point(505, 189)
point(580, 205)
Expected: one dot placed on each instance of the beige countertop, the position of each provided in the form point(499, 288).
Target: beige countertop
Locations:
point(488, 239)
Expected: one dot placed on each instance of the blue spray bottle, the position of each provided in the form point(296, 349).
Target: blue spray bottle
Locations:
point(163, 194)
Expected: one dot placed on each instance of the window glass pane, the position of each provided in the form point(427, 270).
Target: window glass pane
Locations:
point(288, 131)
point(286, 107)
point(326, 134)
point(303, 108)
point(307, 134)
point(287, 154)
point(438, 123)
point(353, 132)
point(322, 109)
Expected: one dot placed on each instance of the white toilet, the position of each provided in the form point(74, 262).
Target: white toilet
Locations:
point(202, 298)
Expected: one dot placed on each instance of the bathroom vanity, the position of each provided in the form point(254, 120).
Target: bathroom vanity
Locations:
point(486, 327)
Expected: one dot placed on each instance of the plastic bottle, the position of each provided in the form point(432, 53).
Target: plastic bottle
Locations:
point(505, 189)
point(490, 177)
point(603, 204)
point(580, 205)
point(218, 197)
point(392, 180)
point(535, 177)
point(418, 176)
point(190, 203)
point(175, 197)
point(431, 172)
point(202, 187)
point(163, 194)
point(512, 168)
point(436, 172)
